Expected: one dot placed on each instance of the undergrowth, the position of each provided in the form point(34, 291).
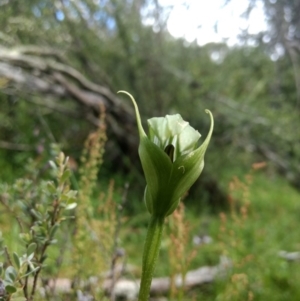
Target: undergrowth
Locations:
point(95, 244)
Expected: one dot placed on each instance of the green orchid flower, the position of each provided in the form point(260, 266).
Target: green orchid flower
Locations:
point(170, 158)
point(172, 162)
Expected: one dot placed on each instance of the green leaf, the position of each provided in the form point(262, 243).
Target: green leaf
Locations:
point(72, 194)
point(10, 274)
point(16, 260)
point(53, 230)
point(1, 268)
point(31, 265)
point(31, 248)
point(36, 214)
point(52, 164)
point(51, 187)
point(30, 257)
point(71, 206)
point(65, 176)
point(10, 289)
point(26, 237)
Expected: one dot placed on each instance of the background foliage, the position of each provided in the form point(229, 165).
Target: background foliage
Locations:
point(253, 90)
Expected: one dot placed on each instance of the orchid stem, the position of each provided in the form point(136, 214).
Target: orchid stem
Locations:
point(150, 255)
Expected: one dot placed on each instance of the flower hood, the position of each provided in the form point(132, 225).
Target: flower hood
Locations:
point(170, 158)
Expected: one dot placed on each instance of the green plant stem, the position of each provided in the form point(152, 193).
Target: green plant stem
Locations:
point(150, 255)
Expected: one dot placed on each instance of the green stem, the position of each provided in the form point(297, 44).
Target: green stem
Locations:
point(150, 255)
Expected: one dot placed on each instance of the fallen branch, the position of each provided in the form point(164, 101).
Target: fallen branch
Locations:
point(289, 256)
point(41, 71)
point(128, 289)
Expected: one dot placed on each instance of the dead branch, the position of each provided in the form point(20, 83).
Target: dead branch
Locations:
point(41, 71)
point(128, 289)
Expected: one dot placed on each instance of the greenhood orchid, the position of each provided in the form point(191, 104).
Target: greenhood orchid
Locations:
point(171, 159)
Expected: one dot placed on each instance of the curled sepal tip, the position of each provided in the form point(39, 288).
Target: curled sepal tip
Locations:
point(137, 113)
point(206, 142)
